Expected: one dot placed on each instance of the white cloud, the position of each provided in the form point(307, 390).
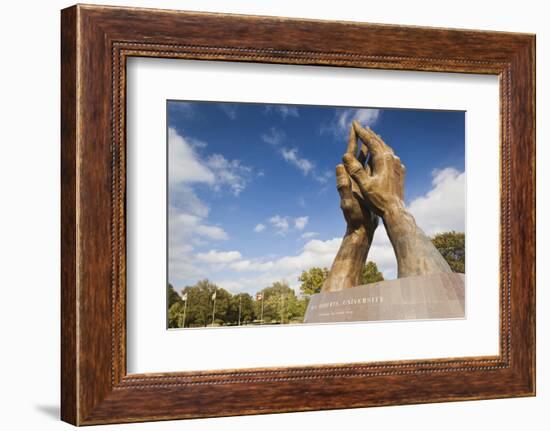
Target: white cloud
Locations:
point(288, 268)
point(184, 198)
point(215, 256)
point(241, 265)
point(301, 222)
point(322, 178)
point(342, 121)
point(182, 109)
point(187, 167)
point(188, 225)
point(314, 253)
point(273, 137)
point(280, 223)
point(443, 207)
point(212, 232)
point(291, 156)
point(367, 117)
point(183, 226)
point(381, 252)
point(249, 265)
point(186, 231)
point(229, 109)
point(308, 235)
point(276, 138)
point(229, 172)
point(260, 227)
point(283, 110)
point(307, 167)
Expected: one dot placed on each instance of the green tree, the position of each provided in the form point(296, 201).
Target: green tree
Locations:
point(312, 280)
point(451, 245)
point(371, 274)
point(223, 303)
point(297, 309)
point(200, 304)
point(175, 315)
point(276, 300)
point(246, 304)
point(172, 295)
point(174, 307)
point(281, 304)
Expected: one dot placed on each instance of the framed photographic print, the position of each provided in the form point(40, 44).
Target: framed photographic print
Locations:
point(287, 207)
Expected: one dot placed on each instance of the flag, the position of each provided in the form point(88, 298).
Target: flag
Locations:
point(214, 296)
point(259, 296)
point(183, 296)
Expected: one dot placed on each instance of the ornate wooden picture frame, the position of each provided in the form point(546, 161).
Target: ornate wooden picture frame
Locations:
point(96, 41)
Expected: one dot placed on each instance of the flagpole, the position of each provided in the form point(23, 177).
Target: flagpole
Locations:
point(184, 312)
point(282, 306)
point(262, 312)
point(240, 305)
point(214, 308)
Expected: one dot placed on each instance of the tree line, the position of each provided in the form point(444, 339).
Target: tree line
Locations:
point(206, 304)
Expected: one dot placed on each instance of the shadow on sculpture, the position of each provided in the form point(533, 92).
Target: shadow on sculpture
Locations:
point(370, 183)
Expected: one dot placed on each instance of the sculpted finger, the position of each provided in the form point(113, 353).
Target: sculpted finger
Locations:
point(357, 172)
point(343, 182)
point(372, 144)
point(344, 186)
point(375, 143)
point(380, 142)
point(352, 141)
point(363, 154)
point(368, 168)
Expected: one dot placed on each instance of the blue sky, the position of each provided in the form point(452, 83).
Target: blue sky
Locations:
point(252, 196)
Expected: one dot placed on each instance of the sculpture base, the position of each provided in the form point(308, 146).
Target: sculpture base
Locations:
point(437, 296)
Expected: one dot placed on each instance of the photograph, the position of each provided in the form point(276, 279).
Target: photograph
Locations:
point(300, 214)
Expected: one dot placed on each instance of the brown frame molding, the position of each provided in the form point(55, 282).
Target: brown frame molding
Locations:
point(95, 43)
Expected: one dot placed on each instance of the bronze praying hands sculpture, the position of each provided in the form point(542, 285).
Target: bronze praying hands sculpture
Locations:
point(371, 186)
